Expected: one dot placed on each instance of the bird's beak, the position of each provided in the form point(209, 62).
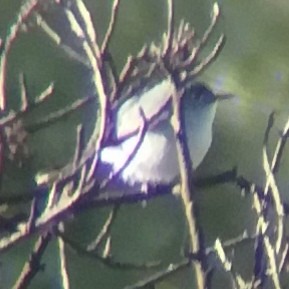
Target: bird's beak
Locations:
point(224, 96)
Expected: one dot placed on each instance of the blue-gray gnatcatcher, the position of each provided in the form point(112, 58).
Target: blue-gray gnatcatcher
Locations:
point(156, 161)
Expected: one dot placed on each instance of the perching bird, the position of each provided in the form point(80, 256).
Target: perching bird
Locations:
point(155, 161)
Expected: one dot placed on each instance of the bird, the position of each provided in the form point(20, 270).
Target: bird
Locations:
point(155, 161)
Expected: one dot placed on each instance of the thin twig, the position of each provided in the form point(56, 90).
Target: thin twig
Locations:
point(106, 228)
point(272, 263)
point(52, 34)
point(128, 69)
point(232, 243)
point(206, 36)
point(187, 191)
point(58, 115)
point(228, 176)
point(209, 59)
point(271, 182)
point(63, 265)
point(32, 215)
point(84, 20)
point(215, 17)
point(23, 91)
point(280, 148)
point(284, 258)
point(140, 137)
point(92, 51)
point(108, 260)
point(160, 276)
point(33, 265)
point(79, 144)
point(106, 55)
point(111, 27)
point(25, 11)
point(12, 116)
point(170, 29)
point(265, 255)
point(174, 268)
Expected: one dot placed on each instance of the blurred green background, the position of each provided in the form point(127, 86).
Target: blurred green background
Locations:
point(253, 66)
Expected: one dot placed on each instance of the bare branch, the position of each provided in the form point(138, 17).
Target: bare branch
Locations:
point(23, 89)
point(284, 258)
point(140, 137)
point(160, 276)
point(83, 18)
point(214, 21)
point(79, 144)
point(206, 36)
point(33, 265)
point(111, 27)
point(26, 9)
point(170, 29)
point(227, 264)
point(280, 148)
point(266, 264)
point(57, 40)
point(105, 229)
point(32, 216)
point(209, 59)
point(12, 116)
point(108, 260)
point(63, 265)
point(93, 54)
point(187, 191)
point(271, 183)
point(58, 115)
point(128, 69)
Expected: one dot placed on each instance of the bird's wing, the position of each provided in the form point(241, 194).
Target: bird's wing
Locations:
point(154, 103)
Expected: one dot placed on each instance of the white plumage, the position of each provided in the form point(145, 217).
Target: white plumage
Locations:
point(155, 161)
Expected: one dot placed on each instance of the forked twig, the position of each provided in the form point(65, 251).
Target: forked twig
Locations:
point(58, 115)
point(209, 59)
point(107, 260)
point(58, 41)
point(270, 170)
point(14, 29)
point(12, 116)
point(105, 229)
